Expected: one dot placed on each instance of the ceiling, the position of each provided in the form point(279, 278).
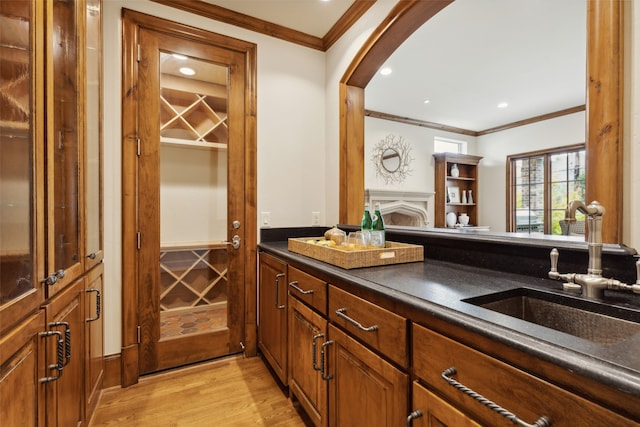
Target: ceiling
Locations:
point(314, 17)
point(466, 60)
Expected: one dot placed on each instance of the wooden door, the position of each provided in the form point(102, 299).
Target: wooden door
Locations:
point(307, 333)
point(190, 201)
point(434, 411)
point(272, 331)
point(365, 389)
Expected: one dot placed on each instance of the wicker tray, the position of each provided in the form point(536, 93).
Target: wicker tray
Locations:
point(393, 253)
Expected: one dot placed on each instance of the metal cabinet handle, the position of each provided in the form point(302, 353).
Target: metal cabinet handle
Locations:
point(60, 355)
point(278, 276)
point(412, 416)
point(92, 255)
point(316, 367)
point(52, 279)
point(67, 340)
point(295, 286)
point(322, 360)
point(98, 306)
point(341, 313)
point(543, 421)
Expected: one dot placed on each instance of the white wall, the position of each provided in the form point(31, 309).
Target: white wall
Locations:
point(421, 141)
point(495, 147)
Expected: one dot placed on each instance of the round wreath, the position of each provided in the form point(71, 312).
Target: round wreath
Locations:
point(398, 144)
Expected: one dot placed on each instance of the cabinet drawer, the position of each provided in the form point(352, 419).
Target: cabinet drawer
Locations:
point(524, 395)
point(308, 289)
point(435, 411)
point(381, 329)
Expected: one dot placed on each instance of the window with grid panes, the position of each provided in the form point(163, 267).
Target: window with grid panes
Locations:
point(541, 185)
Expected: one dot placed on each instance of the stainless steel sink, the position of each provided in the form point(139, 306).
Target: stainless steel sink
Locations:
point(591, 320)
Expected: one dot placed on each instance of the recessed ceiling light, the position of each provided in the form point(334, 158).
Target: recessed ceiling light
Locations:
point(503, 105)
point(426, 101)
point(386, 71)
point(178, 56)
point(187, 71)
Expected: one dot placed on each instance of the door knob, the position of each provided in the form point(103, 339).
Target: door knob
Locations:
point(235, 242)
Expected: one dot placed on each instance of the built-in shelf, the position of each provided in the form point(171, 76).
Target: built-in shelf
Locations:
point(467, 180)
point(193, 119)
point(193, 275)
point(185, 143)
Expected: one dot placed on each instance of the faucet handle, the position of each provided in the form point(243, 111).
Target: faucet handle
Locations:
point(554, 260)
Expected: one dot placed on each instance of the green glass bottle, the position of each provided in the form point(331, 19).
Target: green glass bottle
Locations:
point(366, 223)
point(378, 237)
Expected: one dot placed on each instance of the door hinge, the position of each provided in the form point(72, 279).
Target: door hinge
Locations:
point(138, 332)
point(138, 238)
point(138, 148)
point(138, 53)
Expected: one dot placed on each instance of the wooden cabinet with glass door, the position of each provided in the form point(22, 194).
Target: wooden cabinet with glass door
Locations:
point(456, 187)
point(64, 101)
point(42, 210)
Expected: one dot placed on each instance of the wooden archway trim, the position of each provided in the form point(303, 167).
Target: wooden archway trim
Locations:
point(604, 104)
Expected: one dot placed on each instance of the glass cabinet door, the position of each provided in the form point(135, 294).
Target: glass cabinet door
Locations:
point(93, 135)
point(20, 133)
point(64, 257)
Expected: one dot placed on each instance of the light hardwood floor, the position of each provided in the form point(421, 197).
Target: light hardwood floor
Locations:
point(228, 392)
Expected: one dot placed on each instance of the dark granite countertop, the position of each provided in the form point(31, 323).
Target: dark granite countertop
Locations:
point(439, 288)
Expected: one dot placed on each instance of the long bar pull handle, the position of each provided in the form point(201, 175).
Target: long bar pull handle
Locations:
point(98, 305)
point(60, 355)
point(341, 313)
point(412, 416)
point(278, 276)
point(67, 340)
point(295, 286)
point(543, 421)
point(314, 347)
point(322, 361)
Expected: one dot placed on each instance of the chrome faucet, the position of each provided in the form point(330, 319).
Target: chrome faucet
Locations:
point(591, 284)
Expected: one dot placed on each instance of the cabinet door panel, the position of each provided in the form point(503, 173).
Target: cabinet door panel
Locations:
point(272, 325)
point(94, 339)
point(306, 328)
point(365, 390)
point(22, 365)
point(65, 396)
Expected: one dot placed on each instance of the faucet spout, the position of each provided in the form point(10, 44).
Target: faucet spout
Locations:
point(594, 209)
